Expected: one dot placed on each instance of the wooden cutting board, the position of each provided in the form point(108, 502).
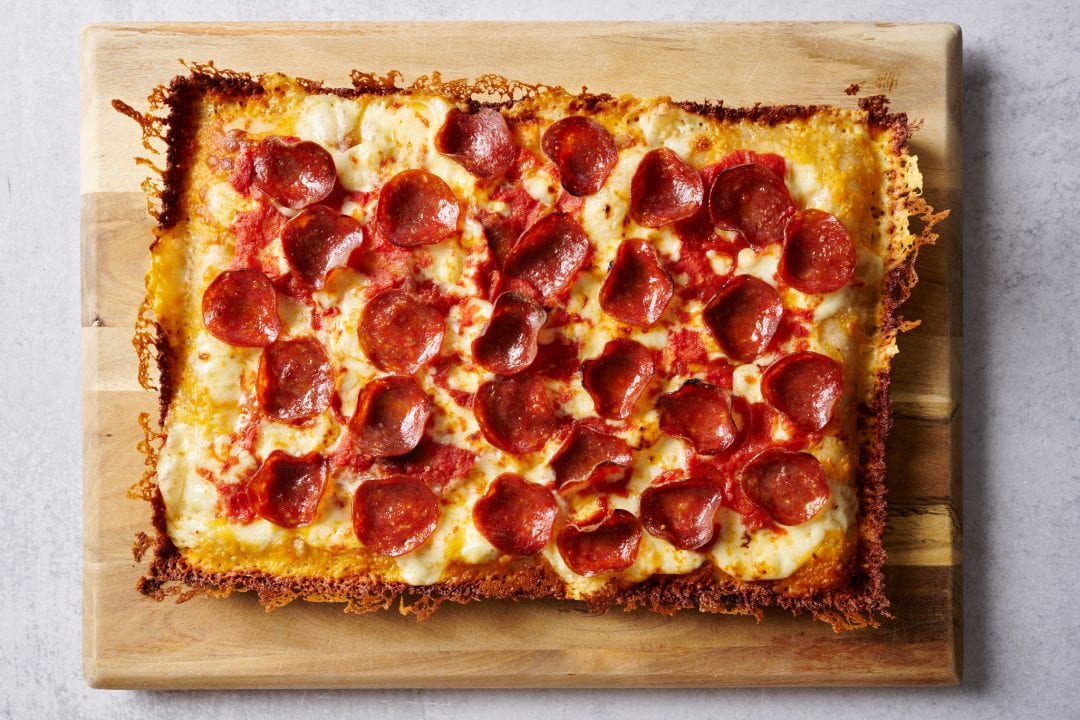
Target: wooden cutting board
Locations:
point(133, 642)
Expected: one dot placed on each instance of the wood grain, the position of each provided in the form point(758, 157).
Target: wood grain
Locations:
point(133, 642)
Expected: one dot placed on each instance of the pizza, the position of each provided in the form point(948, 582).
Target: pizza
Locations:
point(486, 341)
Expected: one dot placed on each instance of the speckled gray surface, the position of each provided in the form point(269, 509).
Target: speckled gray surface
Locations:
point(1021, 447)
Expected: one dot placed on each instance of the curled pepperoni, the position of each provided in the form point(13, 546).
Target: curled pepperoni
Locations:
point(295, 380)
point(681, 512)
point(637, 288)
point(617, 377)
point(664, 189)
point(394, 515)
point(296, 173)
point(587, 455)
point(514, 413)
point(399, 333)
point(549, 254)
point(508, 345)
point(584, 152)
point(240, 308)
point(480, 142)
point(753, 200)
point(744, 317)
point(608, 547)
point(788, 486)
point(515, 515)
point(416, 208)
point(819, 256)
point(806, 387)
point(318, 240)
point(700, 413)
point(287, 489)
point(391, 413)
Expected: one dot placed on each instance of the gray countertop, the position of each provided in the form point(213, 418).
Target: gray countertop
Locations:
point(1021, 387)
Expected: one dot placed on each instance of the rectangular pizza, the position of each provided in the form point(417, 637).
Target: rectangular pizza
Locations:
point(471, 341)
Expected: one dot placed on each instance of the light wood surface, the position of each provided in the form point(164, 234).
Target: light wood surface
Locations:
point(130, 641)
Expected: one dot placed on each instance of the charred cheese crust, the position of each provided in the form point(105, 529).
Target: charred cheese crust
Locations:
point(853, 163)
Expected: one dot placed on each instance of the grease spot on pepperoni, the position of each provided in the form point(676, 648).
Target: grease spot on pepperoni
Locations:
point(516, 516)
point(295, 380)
point(637, 288)
point(818, 256)
point(583, 151)
point(610, 546)
point(681, 512)
point(790, 487)
point(240, 308)
point(549, 254)
point(437, 464)
point(514, 413)
point(294, 172)
point(700, 413)
point(508, 345)
point(399, 333)
point(806, 387)
point(617, 377)
point(394, 515)
point(391, 413)
point(752, 200)
point(480, 142)
point(664, 189)
point(287, 489)
point(588, 455)
point(318, 240)
point(744, 316)
point(416, 208)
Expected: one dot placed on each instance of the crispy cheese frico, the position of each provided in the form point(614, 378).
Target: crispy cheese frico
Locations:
point(621, 350)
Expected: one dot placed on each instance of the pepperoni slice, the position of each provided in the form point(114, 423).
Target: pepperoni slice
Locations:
point(318, 240)
point(617, 377)
point(438, 465)
point(294, 172)
point(391, 413)
point(753, 200)
point(788, 486)
point(584, 152)
point(399, 333)
point(508, 345)
point(664, 189)
point(515, 515)
point(587, 455)
point(608, 547)
point(637, 288)
point(549, 254)
point(287, 489)
point(806, 387)
point(681, 512)
point(514, 413)
point(744, 317)
point(295, 380)
point(700, 413)
point(240, 308)
point(416, 208)
point(394, 515)
point(480, 142)
point(819, 256)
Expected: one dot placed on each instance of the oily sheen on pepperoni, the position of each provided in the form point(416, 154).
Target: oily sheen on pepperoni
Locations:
point(240, 308)
point(287, 489)
point(294, 172)
point(753, 200)
point(790, 487)
point(398, 332)
point(295, 380)
point(480, 142)
point(416, 208)
point(682, 511)
point(514, 413)
point(609, 546)
point(700, 413)
point(637, 288)
point(818, 256)
point(744, 316)
point(508, 345)
point(583, 151)
point(515, 515)
point(664, 189)
point(617, 377)
point(391, 413)
point(549, 254)
point(394, 515)
point(806, 387)
point(318, 240)
point(588, 455)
